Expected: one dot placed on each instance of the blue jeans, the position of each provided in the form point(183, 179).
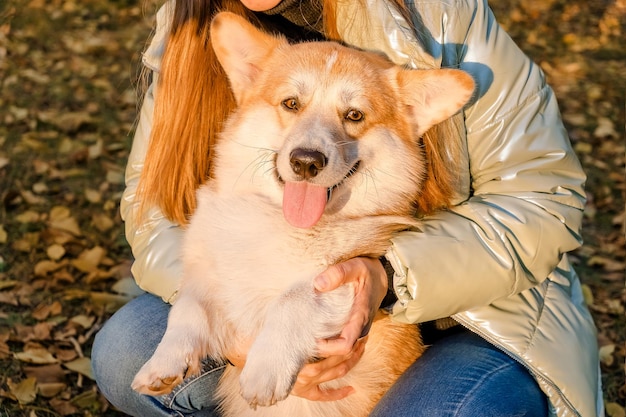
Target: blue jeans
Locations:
point(459, 375)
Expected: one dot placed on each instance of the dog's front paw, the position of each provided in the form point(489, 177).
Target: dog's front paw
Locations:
point(152, 383)
point(265, 380)
point(160, 375)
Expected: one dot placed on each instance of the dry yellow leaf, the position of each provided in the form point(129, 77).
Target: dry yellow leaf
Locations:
point(80, 365)
point(102, 222)
point(93, 196)
point(615, 410)
point(28, 216)
point(83, 320)
point(59, 212)
point(50, 389)
point(89, 259)
point(55, 252)
point(3, 235)
point(43, 268)
point(68, 224)
point(37, 355)
point(24, 391)
point(606, 354)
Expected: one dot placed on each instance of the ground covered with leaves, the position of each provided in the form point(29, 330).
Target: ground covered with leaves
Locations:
point(68, 73)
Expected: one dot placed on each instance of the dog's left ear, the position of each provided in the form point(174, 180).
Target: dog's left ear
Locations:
point(241, 49)
point(434, 95)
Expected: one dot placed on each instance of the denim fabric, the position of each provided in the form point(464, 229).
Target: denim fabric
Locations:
point(125, 343)
point(462, 375)
point(459, 375)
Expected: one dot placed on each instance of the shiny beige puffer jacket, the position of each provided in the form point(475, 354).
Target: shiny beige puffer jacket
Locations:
point(497, 261)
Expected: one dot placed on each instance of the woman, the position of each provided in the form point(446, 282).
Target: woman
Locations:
point(492, 265)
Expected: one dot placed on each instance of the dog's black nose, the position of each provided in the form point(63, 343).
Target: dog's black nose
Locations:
point(307, 163)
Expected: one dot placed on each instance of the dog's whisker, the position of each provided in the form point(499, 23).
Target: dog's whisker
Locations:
point(255, 165)
point(367, 176)
point(344, 143)
point(272, 151)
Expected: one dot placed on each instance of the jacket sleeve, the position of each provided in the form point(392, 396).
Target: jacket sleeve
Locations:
point(525, 206)
point(154, 240)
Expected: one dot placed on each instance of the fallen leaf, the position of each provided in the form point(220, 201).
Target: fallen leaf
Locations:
point(24, 391)
point(45, 373)
point(606, 263)
point(68, 224)
point(87, 399)
point(50, 389)
point(43, 311)
point(605, 128)
point(84, 321)
point(3, 235)
point(587, 294)
point(36, 355)
point(89, 259)
point(614, 410)
point(7, 297)
point(115, 176)
point(43, 268)
point(95, 150)
point(5, 351)
point(65, 121)
point(93, 196)
point(55, 252)
point(111, 302)
point(61, 218)
point(64, 408)
point(102, 222)
point(606, 354)
point(33, 199)
point(81, 366)
point(127, 286)
point(28, 216)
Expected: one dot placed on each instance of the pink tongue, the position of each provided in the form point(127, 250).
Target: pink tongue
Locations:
point(303, 203)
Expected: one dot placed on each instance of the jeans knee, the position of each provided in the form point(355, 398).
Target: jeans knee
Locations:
point(106, 362)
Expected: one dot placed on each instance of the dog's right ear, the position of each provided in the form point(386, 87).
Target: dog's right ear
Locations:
point(241, 49)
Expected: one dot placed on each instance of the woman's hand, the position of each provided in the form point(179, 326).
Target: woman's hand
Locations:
point(313, 374)
point(370, 281)
point(342, 353)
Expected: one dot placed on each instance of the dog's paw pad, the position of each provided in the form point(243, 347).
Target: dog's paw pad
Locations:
point(156, 383)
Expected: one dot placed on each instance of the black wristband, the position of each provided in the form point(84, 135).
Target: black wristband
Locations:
point(390, 298)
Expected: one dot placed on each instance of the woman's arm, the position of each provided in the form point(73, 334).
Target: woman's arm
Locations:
point(527, 197)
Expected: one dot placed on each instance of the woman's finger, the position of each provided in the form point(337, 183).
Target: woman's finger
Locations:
point(316, 393)
point(312, 375)
point(350, 334)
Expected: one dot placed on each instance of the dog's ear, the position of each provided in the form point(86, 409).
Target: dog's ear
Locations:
point(434, 95)
point(241, 49)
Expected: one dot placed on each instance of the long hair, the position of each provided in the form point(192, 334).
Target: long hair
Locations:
point(443, 150)
point(193, 99)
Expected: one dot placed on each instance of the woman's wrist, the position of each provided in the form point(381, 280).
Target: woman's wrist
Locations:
point(390, 297)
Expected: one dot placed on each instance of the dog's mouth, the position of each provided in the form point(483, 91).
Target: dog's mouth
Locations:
point(351, 172)
point(305, 202)
point(331, 189)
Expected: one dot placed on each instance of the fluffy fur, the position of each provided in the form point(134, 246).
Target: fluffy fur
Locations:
point(309, 117)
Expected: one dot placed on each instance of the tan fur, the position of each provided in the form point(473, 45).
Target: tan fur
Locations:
point(249, 265)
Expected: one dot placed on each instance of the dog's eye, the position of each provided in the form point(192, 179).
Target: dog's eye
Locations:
point(291, 104)
point(354, 115)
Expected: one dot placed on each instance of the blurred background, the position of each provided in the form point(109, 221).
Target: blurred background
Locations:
point(69, 86)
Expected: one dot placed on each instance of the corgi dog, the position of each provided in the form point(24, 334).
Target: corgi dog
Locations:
point(320, 162)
